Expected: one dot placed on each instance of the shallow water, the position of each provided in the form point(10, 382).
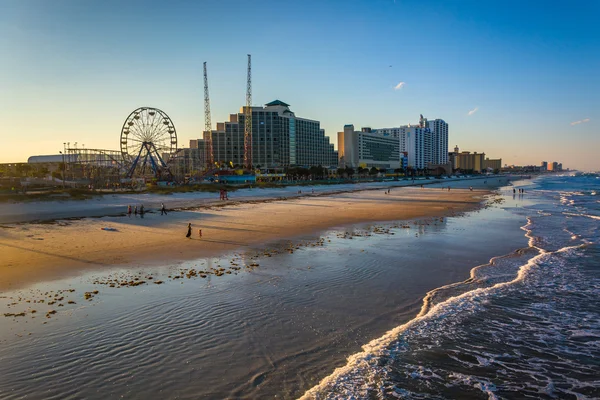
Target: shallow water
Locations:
point(276, 329)
point(525, 326)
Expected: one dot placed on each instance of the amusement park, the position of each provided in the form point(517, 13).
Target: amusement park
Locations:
point(149, 154)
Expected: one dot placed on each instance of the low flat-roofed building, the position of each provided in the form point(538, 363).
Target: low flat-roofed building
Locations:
point(493, 164)
point(368, 149)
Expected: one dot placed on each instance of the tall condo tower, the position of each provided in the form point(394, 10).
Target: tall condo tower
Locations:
point(248, 118)
point(207, 123)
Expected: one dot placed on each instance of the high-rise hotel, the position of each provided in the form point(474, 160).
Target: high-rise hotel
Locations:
point(425, 143)
point(279, 139)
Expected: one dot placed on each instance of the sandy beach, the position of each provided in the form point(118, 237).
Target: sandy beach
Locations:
point(37, 252)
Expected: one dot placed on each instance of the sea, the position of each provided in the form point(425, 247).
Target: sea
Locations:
point(496, 303)
point(525, 325)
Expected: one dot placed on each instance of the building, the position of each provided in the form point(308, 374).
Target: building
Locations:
point(544, 166)
point(467, 161)
point(52, 159)
point(414, 140)
point(426, 143)
point(452, 156)
point(492, 164)
point(367, 148)
point(279, 139)
point(555, 166)
point(439, 141)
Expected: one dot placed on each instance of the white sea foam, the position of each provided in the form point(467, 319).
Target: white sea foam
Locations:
point(582, 215)
point(361, 363)
point(351, 380)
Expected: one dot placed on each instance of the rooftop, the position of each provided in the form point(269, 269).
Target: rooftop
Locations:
point(277, 103)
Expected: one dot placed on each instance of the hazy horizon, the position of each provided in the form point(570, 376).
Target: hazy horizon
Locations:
point(515, 80)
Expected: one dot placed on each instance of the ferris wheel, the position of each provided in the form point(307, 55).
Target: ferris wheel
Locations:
point(147, 136)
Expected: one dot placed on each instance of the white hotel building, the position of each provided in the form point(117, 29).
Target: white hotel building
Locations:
point(426, 143)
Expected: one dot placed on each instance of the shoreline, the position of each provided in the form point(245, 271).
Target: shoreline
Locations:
point(115, 204)
point(317, 306)
point(34, 253)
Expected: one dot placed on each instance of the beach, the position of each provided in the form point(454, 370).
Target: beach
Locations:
point(57, 248)
point(275, 296)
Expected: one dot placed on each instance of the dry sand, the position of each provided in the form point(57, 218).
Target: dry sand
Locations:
point(33, 253)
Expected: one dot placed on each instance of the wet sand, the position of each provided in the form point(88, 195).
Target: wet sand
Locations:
point(31, 253)
point(274, 330)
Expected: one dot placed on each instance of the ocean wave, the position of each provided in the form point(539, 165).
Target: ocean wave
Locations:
point(582, 215)
point(364, 371)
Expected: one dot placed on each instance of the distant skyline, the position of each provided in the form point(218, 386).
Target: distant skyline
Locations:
point(516, 80)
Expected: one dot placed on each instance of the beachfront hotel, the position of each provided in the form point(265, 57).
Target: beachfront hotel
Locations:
point(492, 164)
point(367, 149)
point(426, 143)
point(279, 139)
point(439, 140)
point(465, 160)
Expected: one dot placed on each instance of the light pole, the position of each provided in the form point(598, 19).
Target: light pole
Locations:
point(63, 168)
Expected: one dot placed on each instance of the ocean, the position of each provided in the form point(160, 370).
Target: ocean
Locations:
point(526, 325)
point(500, 302)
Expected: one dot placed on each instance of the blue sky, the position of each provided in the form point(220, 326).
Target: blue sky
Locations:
point(72, 70)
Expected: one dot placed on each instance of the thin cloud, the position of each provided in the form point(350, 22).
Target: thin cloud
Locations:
point(399, 86)
point(473, 111)
point(581, 121)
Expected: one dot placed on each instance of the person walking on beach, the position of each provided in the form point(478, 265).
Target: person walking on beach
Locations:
point(189, 232)
point(129, 211)
point(448, 188)
point(163, 210)
point(135, 211)
point(471, 188)
point(200, 233)
point(514, 191)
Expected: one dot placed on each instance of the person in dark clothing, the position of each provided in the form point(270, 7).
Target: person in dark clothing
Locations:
point(189, 233)
point(163, 210)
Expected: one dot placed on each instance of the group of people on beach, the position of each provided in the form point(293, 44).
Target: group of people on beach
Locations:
point(136, 211)
point(521, 191)
point(223, 194)
point(141, 211)
point(189, 232)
